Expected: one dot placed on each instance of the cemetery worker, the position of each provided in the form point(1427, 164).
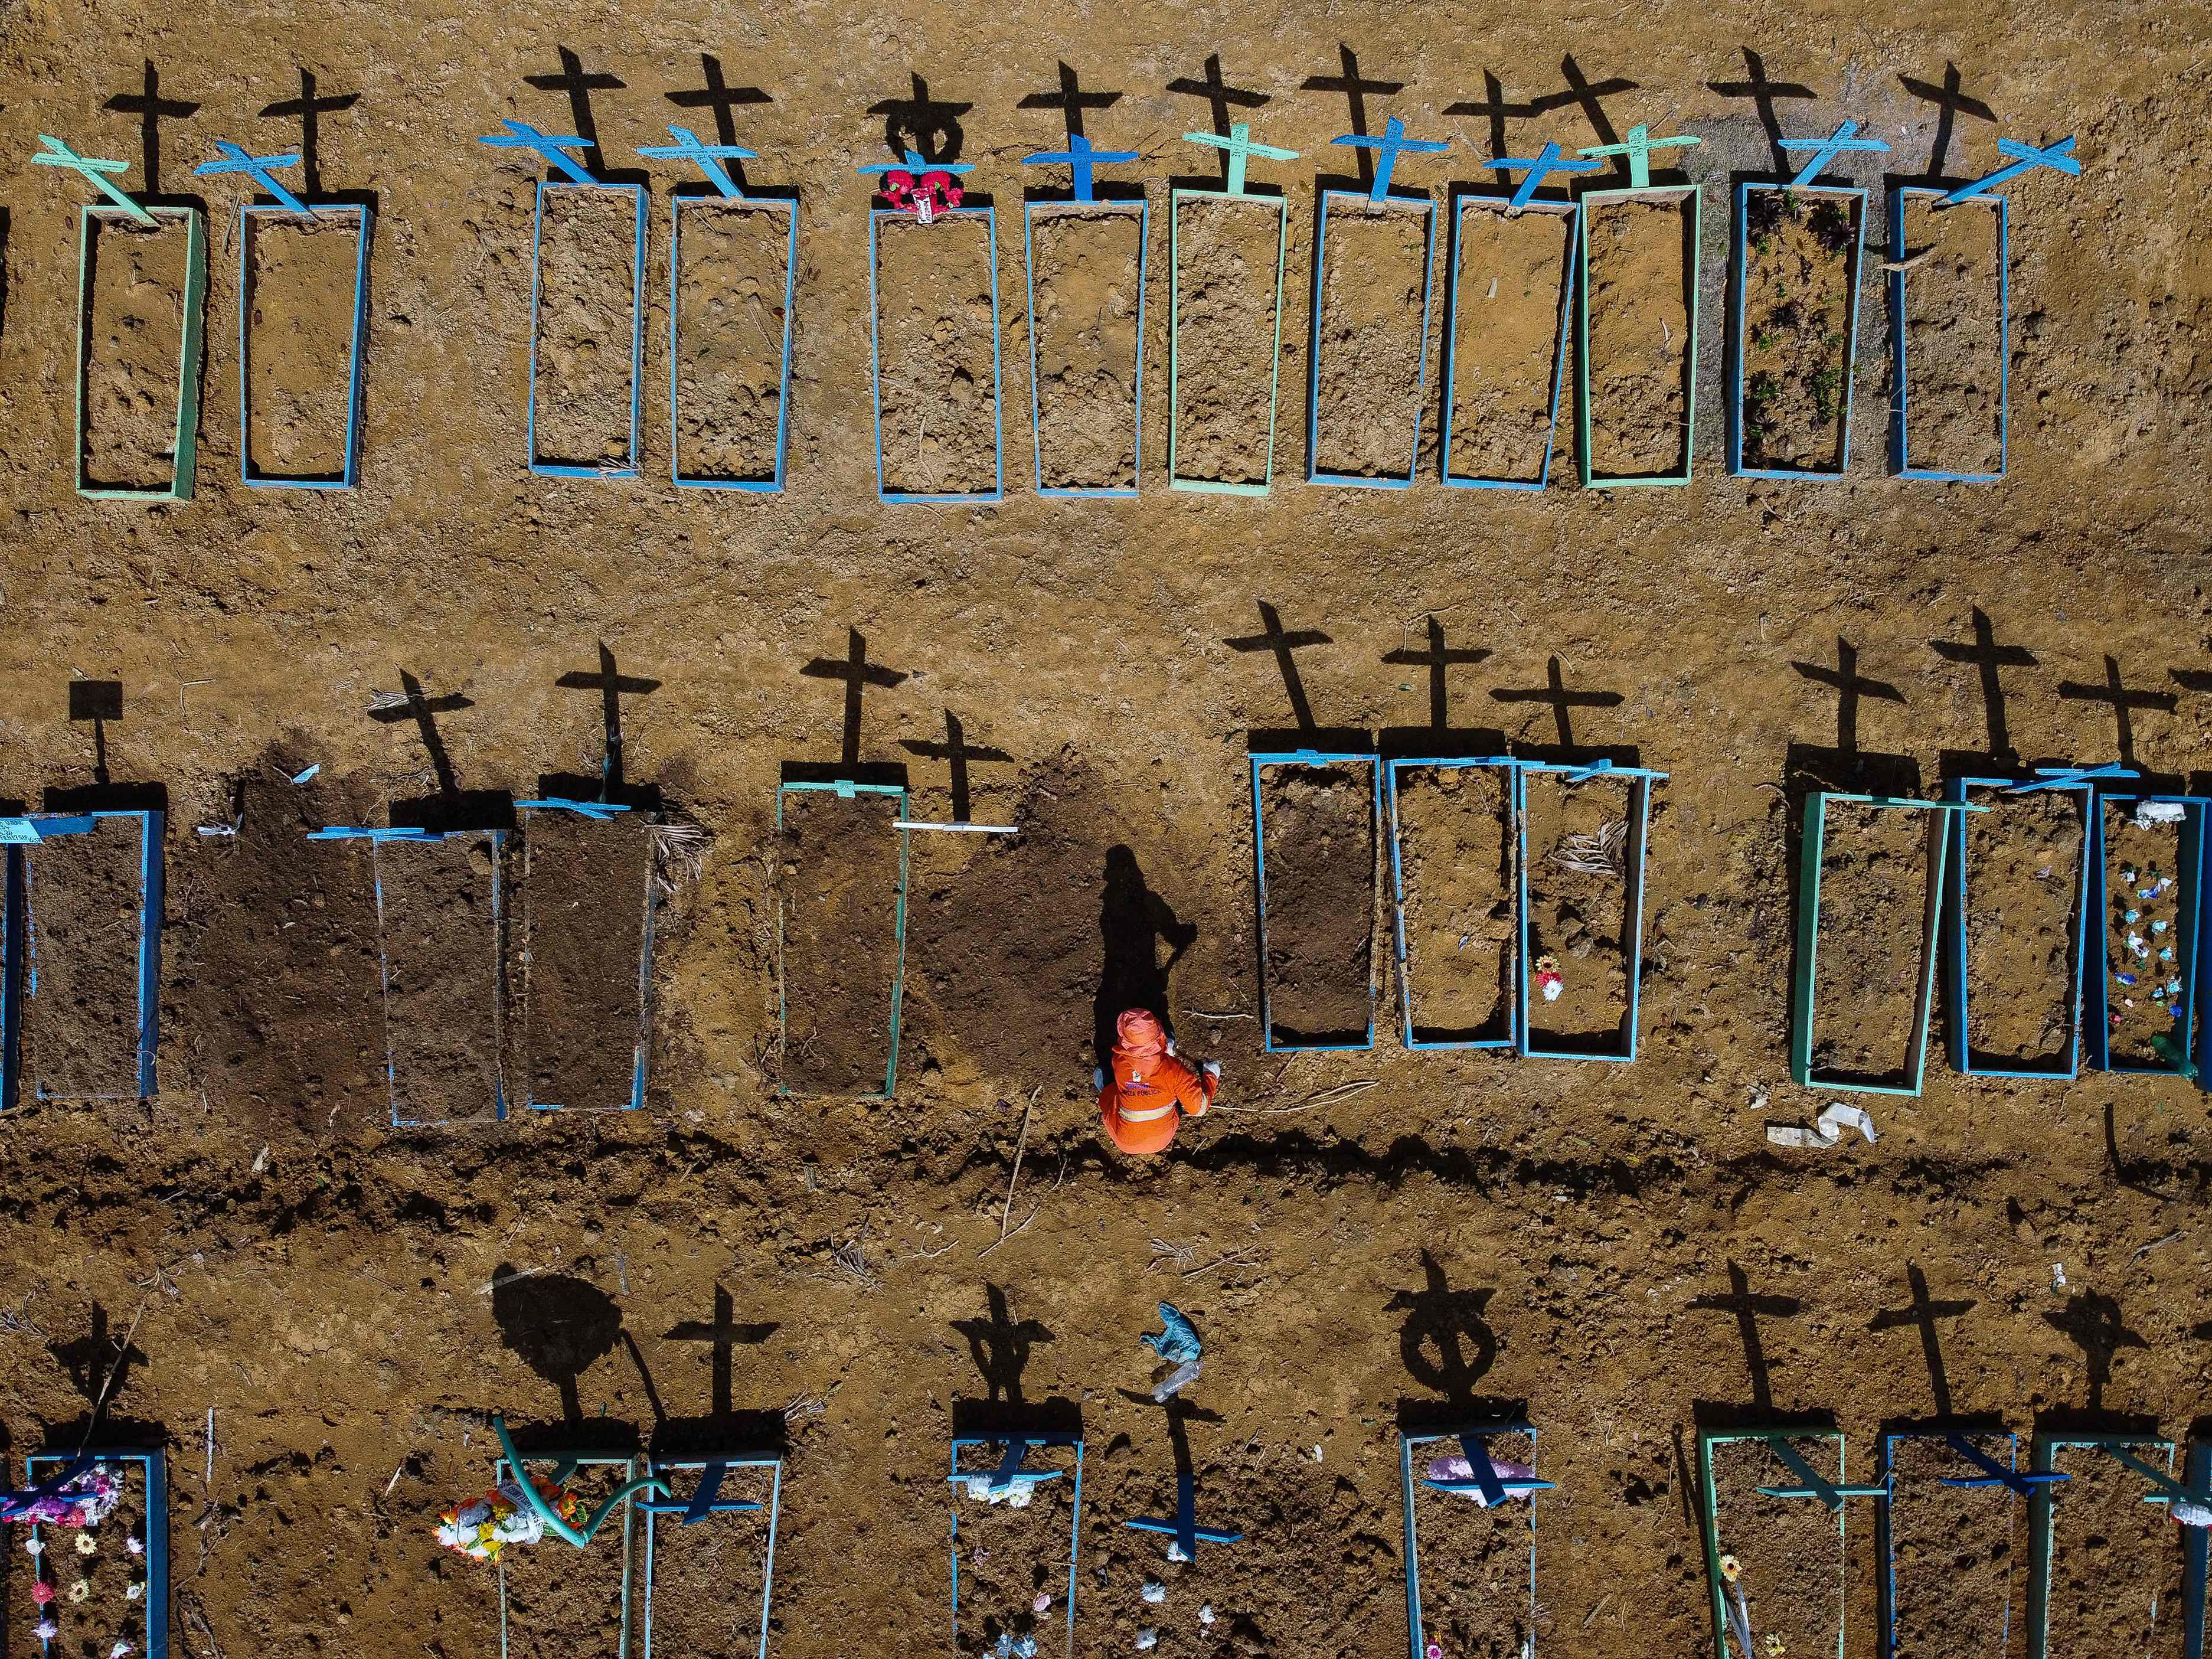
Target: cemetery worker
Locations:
point(1150, 1088)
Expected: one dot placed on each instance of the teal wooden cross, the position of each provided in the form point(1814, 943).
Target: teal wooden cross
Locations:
point(261, 168)
point(1081, 159)
point(2026, 159)
point(1386, 149)
point(1239, 147)
point(2165, 1489)
point(1547, 160)
point(1637, 147)
point(1824, 149)
point(520, 135)
point(710, 157)
point(1812, 1483)
point(96, 168)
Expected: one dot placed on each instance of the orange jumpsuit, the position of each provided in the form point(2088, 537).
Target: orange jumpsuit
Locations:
point(1140, 1105)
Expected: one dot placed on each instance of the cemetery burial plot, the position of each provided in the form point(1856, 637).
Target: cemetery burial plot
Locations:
point(2115, 1565)
point(1473, 1561)
point(729, 337)
point(2146, 975)
point(2022, 884)
point(1455, 852)
point(86, 901)
point(1505, 341)
point(1797, 301)
point(1953, 329)
point(562, 1603)
point(1872, 938)
point(1789, 1550)
point(1372, 338)
point(91, 1620)
point(300, 318)
point(840, 951)
point(1087, 347)
point(1320, 899)
point(584, 893)
point(1951, 1550)
point(1227, 303)
point(1579, 917)
point(708, 1579)
point(441, 977)
point(936, 379)
point(134, 365)
point(1640, 350)
point(587, 327)
point(1008, 1557)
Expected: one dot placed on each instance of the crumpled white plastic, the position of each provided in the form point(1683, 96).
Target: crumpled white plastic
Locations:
point(2157, 811)
point(1827, 1129)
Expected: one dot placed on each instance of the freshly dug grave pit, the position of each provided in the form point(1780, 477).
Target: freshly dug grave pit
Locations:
point(585, 887)
point(1871, 934)
point(2023, 886)
point(2147, 974)
point(1087, 299)
point(1951, 1551)
point(1640, 350)
point(705, 1595)
point(1506, 321)
point(299, 323)
point(1579, 917)
point(1009, 1558)
point(1789, 1551)
point(1474, 1561)
point(86, 898)
point(838, 895)
point(1319, 906)
point(2115, 1560)
point(92, 1618)
point(1797, 301)
point(1953, 338)
point(936, 323)
point(730, 323)
point(587, 322)
point(441, 977)
point(1455, 857)
point(134, 363)
point(1227, 330)
point(562, 1603)
point(1373, 340)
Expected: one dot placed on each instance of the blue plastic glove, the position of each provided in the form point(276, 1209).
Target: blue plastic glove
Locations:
point(1178, 1344)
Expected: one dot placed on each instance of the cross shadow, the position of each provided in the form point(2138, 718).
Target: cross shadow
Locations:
point(612, 784)
point(1989, 659)
point(722, 101)
point(1134, 922)
point(448, 807)
point(100, 1364)
point(1222, 100)
point(1447, 1346)
point(858, 673)
point(2135, 1175)
point(1950, 103)
point(1562, 701)
point(1070, 100)
point(928, 126)
point(1355, 88)
point(580, 85)
point(1764, 94)
point(1748, 1309)
point(1921, 1316)
point(99, 703)
point(308, 109)
point(1000, 1347)
point(957, 752)
point(723, 1428)
point(1283, 644)
point(152, 109)
point(2125, 701)
point(1439, 739)
point(557, 1325)
point(2090, 1321)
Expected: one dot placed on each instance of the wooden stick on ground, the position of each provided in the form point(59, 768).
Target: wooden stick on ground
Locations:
point(1006, 1213)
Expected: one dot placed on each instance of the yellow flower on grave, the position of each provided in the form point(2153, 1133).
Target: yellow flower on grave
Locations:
point(86, 1543)
point(1731, 1569)
point(81, 1590)
point(1775, 1649)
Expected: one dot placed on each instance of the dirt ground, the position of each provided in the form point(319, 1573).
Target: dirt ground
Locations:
point(1578, 1221)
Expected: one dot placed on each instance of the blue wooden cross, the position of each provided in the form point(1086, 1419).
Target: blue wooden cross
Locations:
point(94, 168)
point(2022, 1482)
point(520, 135)
point(2062, 777)
point(1079, 158)
point(1637, 147)
point(706, 1499)
point(1812, 1483)
point(1009, 1473)
point(710, 157)
point(2026, 159)
point(1184, 1529)
point(1824, 149)
point(1549, 159)
point(1387, 149)
point(1484, 1476)
point(1239, 146)
point(916, 166)
point(262, 169)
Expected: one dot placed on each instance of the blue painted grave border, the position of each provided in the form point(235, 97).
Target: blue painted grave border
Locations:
point(1425, 204)
point(1509, 769)
point(997, 492)
point(2096, 1012)
point(1885, 1543)
point(11, 968)
point(2196, 1555)
point(1639, 796)
point(2040, 1520)
point(567, 469)
point(1076, 209)
point(350, 470)
point(654, 1508)
point(1406, 1443)
point(730, 204)
point(846, 791)
point(1900, 453)
point(1737, 262)
point(1307, 757)
point(155, 1466)
point(1176, 198)
point(565, 1464)
point(1694, 196)
point(1572, 212)
point(601, 810)
point(1075, 1517)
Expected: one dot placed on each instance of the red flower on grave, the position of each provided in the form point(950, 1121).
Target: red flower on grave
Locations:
point(898, 187)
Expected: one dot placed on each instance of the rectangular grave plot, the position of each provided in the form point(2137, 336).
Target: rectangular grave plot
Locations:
point(2145, 871)
point(1003, 1558)
point(439, 909)
point(733, 267)
point(1789, 1551)
point(140, 294)
point(934, 290)
point(587, 914)
point(1471, 1571)
point(1368, 370)
point(1796, 291)
point(1582, 870)
point(1636, 336)
point(1313, 821)
point(1505, 341)
point(555, 1602)
point(2016, 910)
point(1456, 870)
point(93, 907)
point(1086, 278)
point(301, 329)
point(1947, 1552)
point(842, 910)
point(2105, 1574)
point(126, 1594)
point(1951, 322)
point(708, 1584)
point(1224, 339)
point(586, 330)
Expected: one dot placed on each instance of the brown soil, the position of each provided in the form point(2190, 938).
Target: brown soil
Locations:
point(1455, 853)
point(133, 352)
point(1872, 937)
point(2152, 852)
point(1087, 303)
point(300, 339)
point(2023, 879)
point(1319, 822)
point(1579, 917)
point(1505, 331)
point(1373, 340)
point(441, 978)
point(1227, 279)
point(729, 338)
point(1640, 350)
point(707, 1579)
point(1475, 1561)
point(1797, 328)
point(587, 319)
point(563, 1603)
point(1790, 1549)
point(90, 1627)
point(1951, 1551)
point(81, 1029)
point(838, 898)
point(1009, 1556)
point(2115, 1560)
point(583, 896)
point(936, 316)
point(1955, 407)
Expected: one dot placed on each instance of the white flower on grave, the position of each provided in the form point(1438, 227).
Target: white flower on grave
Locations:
point(87, 1543)
point(134, 1545)
point(81, 1590)
point(45, 1630)
point(133, 1592)
point(33, 1548)
point(1146, 1638)
point(120, 1650)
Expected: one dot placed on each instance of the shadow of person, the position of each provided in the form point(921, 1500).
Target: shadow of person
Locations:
point(1133, 922)
point(558, 1325)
